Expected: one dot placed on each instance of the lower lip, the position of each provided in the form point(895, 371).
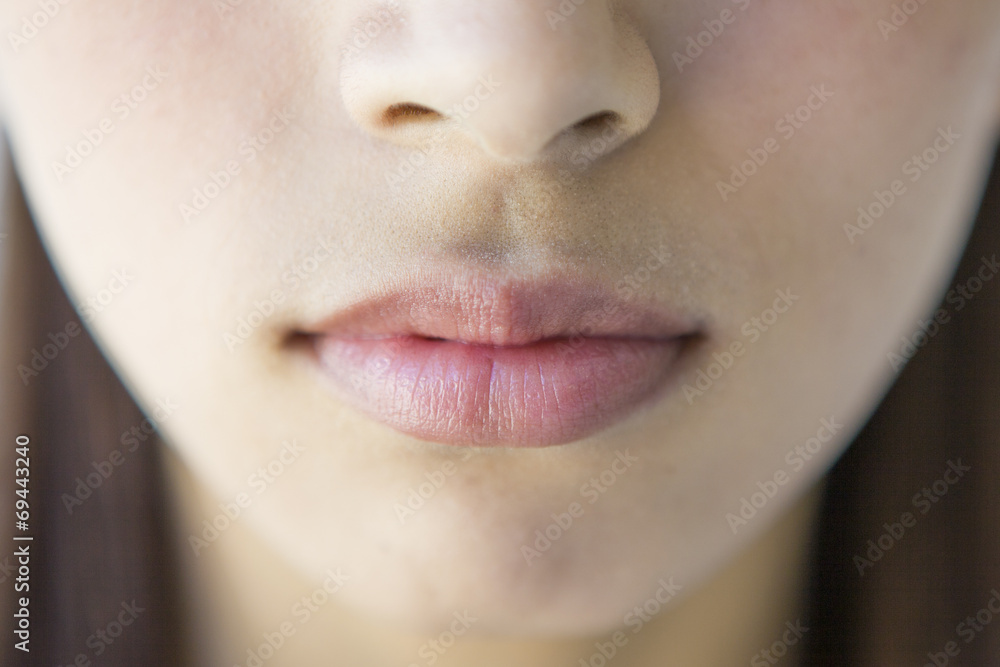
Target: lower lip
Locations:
point(547, 393)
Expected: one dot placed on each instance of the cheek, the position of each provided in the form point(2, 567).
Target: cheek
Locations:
point(736, 85)
point(784, 124)
point(796, 114)
point(147, 102)
point(123, 117)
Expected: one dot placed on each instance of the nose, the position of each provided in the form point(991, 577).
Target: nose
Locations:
point(522, 80)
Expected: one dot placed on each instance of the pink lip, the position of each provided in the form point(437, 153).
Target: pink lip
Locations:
point(486, 362)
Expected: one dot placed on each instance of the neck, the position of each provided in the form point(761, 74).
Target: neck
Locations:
point(238, 590)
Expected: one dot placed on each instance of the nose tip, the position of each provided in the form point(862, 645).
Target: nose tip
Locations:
point(497, 75)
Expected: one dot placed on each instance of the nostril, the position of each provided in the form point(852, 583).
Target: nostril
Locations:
point(598, 121)
point(408, 112)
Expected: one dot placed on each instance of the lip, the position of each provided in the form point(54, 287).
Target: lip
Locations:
point(488, 362)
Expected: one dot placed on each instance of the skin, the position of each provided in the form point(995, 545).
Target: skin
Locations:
point(493, 196)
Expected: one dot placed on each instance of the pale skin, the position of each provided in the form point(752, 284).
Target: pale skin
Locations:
point(323, 211)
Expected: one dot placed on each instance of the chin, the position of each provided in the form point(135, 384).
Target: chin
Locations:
point(446, 562)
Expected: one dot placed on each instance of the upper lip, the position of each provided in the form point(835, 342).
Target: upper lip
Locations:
point(503, 312)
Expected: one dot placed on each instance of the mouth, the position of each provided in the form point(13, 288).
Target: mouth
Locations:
point(498, 363)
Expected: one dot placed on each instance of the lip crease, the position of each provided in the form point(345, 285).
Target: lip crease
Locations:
point(488, 362)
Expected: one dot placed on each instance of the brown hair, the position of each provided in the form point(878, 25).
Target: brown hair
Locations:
point(113, 548)
point(116, 547)
point(943, 410)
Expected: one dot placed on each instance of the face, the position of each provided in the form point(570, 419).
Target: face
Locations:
point(515, 306)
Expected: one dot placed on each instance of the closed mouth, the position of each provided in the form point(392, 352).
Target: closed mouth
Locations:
point(488, 362)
